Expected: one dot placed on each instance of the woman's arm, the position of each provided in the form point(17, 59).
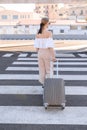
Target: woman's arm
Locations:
point(36, 43)
point(52, 54)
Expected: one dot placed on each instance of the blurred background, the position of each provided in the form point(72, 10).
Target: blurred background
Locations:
point(20, 21)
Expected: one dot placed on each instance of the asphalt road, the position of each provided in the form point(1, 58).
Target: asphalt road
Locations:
point(21, 95)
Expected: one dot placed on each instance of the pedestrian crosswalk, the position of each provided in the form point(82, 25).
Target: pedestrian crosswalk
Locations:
point(23, 55)
point(57, 55)
point(70, 90)
point(26, 54)
point(35, 77)
point(7, 55)
point(37, 69)
point(66, 55)
point(63, 63)
point(26, 115)
point(11, 54)
point(21, 95)
point(83, 55)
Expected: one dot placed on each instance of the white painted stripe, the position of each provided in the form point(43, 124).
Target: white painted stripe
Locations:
point(8, 55)
point(57, 55)
point(82, 55)
point(32, 55)
point(35, 77)
point(21, 90)
point(60, 59)
point(23, 55)
point(22, 68)
point(74, 90)
point(23, 63)
point(27, 59)
point(38, 115)
point(69, 90)
point(18, 77)
point(60, 63)
point(65, 55)
point(37, 69)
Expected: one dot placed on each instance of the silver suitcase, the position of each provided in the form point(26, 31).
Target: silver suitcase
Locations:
point(54, 92)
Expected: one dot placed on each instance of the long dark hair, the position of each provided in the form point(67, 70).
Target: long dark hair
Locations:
point(43, 22)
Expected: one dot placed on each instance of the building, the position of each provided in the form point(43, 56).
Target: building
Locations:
point(49, 10)
point(17, 22)
point(10, 17)
point(59, 27)
point(70, 21)
point(62, 10)
point(43, 1)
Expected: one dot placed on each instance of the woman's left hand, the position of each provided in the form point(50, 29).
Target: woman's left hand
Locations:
point(54, 59)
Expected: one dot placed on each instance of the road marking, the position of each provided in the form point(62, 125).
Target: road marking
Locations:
point(60, 63)
point(35, 77)
point(8, 55)
point(69, 90)
point(37, 69)
point(82, 55)
point(60, 59)
point(57, 55)
point(23, 55)
point(38, 115)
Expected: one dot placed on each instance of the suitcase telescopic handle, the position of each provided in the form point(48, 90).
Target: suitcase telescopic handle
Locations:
point(51, 69)
point(57, 68)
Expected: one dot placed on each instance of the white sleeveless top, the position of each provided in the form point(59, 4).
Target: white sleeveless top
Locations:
point(44, 43)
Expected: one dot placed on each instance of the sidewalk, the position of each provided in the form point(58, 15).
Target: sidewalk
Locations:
point(27, 45)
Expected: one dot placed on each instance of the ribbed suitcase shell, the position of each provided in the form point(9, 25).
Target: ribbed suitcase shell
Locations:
point(54, 92)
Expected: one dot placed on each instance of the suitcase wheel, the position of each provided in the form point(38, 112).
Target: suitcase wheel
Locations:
point(46, 108)
point(45, 105)
point(63, 106)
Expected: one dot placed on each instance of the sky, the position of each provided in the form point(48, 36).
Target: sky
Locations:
point(19, 7)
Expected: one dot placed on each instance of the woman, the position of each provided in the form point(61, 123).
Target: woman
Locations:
point(44, 46)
